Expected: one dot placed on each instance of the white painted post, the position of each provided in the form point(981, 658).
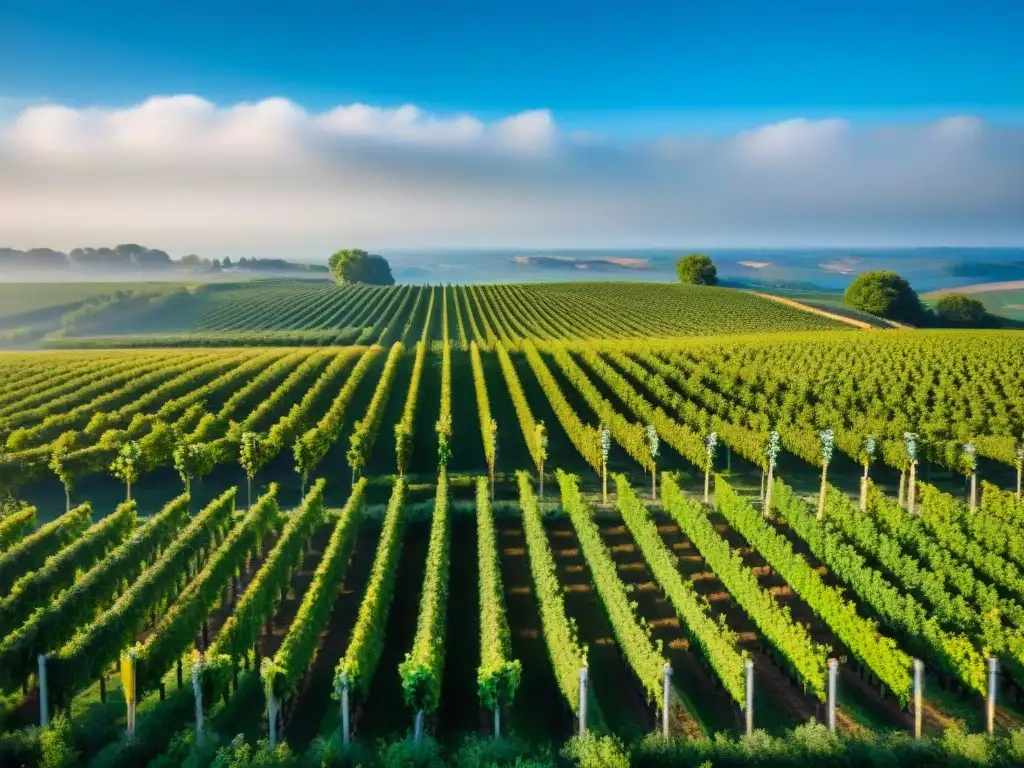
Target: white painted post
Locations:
point(974, 490)
point(821, 494)
point(912, 487)
point(44, 693)
point(497, 722)
point(418, 727)
point(197, 691)
point(990, 708)
point(750, 698)
point(833, 672)
point(918, 696)
point(272, 715)
point(583, 701)
point(346, 733)
point(664, 703)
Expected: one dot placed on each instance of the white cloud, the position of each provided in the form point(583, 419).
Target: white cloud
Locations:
point(269, 177)
point(529, 131)
point(793, 139)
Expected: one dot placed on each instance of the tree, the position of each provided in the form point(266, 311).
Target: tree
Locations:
point(62, 446)
point(356, 266)
point(957, 309)
point(127, 464)
point(306, 457)
point(192, 461)
point(252, 457)
point(697, 269)
point(885, 294)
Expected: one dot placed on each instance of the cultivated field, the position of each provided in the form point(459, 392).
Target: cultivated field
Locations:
point(314, 514)
point(317, 313)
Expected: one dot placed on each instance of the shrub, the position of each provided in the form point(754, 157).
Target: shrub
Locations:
point(885, 294)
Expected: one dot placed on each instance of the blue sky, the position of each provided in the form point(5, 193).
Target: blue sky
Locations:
point(818, 122)
point(596, 65)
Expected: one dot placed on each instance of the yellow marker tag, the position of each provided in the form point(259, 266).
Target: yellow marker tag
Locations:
point(128, 678)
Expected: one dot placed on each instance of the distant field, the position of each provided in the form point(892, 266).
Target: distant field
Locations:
point(1006, 285)
point(307, 313)
point(22, 298)
point(1003, 299)
point(831, 301)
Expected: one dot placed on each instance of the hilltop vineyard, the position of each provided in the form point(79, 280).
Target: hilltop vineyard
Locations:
point(337, 518)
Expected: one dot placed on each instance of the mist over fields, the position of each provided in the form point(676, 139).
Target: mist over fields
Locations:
point(830, 269)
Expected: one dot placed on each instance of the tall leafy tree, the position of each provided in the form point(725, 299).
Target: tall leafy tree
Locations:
point(62, 446)
point(885, 294)
point(252, 456)
point(357, 266)
point(193, 461)
point(697, 269)
point(127, 466)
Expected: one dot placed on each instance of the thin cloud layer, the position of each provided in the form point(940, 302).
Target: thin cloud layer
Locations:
point(270, 178)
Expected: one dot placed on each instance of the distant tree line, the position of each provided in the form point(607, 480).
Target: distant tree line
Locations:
point(135, 257)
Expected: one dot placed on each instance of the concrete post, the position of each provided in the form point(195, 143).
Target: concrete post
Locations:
point(750, 698)
point(272, 715)
point(990, 704)
point(912, 487)
point(665, 701)
point(346, 733)
point(918, 696)
point(864, 490)
point(197, 690)
point(44, 693)
point(583, 701)
point(821, 494)
point(833, 673)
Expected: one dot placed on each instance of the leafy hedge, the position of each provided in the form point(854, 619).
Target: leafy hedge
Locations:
point(716, 642)
point(860, 635)
point(175, 633)
point(566, 654)
point(56, 623)
point(367, 641)
point(16, 527)
point(37, 588)
point(423, 668)
point(284, 672)
point(31, 552)
point(498, 675)
point(632, 633)
point(98, 645)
